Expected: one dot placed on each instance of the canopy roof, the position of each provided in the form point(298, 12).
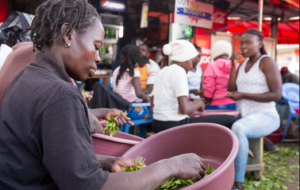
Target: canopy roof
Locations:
point(288, 32)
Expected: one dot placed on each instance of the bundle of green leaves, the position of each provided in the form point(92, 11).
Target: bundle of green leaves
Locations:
point(209, 170)
point(111, 126)
point(140, 163)
point(174, 183)
point(170, 184)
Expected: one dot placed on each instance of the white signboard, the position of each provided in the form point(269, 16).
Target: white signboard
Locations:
point(144, 17)
point(194, 13)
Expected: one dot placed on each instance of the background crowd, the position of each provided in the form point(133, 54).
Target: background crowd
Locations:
point(44, 121)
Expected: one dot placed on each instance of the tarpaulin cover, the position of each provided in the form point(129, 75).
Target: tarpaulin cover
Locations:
point(288, 32)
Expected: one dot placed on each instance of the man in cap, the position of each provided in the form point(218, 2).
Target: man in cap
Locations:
point(287, 76)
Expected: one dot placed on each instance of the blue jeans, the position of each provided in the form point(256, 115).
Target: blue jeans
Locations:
point(251, 127)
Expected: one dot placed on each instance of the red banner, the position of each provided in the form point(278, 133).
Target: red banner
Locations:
point(3, 10)
point(219, 18)
point(203, 40)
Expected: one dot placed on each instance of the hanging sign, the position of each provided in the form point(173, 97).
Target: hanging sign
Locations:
point(194, 13)
point(144, 17)
point(114, 6)
point(219, 18)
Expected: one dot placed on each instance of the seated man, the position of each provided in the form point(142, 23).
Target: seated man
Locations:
point(283, 107)
point(287, 76)
point(148, 71)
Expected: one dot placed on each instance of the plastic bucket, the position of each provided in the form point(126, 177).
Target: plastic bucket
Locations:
point(114, 146)
point(216, 144)
point(275, 137)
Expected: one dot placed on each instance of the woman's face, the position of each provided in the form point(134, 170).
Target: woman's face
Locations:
point(197, 59)
point(250, 45)
point(83, 54)
point(144, 50)
point(188, 65)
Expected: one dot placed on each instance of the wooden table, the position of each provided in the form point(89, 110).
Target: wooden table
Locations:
point(101, 73)
point(214, 112)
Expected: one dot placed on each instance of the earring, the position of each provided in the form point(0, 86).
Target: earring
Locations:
point(67, 45)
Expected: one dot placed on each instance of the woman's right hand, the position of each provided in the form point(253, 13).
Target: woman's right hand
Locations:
point(188, 166)
point(236, 55)
point(201, 105)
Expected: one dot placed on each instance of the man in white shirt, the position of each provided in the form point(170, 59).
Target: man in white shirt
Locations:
point(152, 70)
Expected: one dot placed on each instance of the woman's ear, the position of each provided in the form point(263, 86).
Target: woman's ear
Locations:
point(260, 44)
point(67, 38)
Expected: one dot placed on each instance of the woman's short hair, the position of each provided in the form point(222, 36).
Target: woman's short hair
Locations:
point(51, 15)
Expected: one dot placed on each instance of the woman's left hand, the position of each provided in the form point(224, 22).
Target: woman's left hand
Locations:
point(235, 95)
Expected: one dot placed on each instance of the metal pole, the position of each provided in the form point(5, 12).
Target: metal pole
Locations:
point(254, 16)
point(260, 8)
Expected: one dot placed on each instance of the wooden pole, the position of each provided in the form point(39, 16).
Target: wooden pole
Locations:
point(260, 8)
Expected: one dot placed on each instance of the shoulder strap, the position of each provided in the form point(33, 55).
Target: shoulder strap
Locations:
point(262, 57)
point(259, 60)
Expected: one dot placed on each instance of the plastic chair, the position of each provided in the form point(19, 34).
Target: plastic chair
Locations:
point(290, 92)
point(139, 122)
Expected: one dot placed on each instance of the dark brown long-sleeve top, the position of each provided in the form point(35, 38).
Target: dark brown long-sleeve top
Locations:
point(45, 141)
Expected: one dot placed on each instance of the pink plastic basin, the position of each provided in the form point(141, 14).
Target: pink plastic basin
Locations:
point(216, 144)
point(214, 112)
point(275, 137)
point(114, 146)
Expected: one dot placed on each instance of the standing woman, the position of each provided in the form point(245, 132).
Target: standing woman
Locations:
point(256, 85)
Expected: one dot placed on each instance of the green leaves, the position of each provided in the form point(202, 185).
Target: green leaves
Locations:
point(170, 184)
point(174, 183)
point(277, 171)
point(111, 126)
point(140, 163)
point(209, 170)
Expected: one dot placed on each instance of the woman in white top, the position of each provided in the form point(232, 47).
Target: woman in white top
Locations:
point(256, 85)
point(195, 77)
point(170, 102)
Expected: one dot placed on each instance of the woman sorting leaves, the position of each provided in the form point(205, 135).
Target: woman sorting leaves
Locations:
point(45, 141)
point(256, 85)
point(170, 102)
point(126, 77)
